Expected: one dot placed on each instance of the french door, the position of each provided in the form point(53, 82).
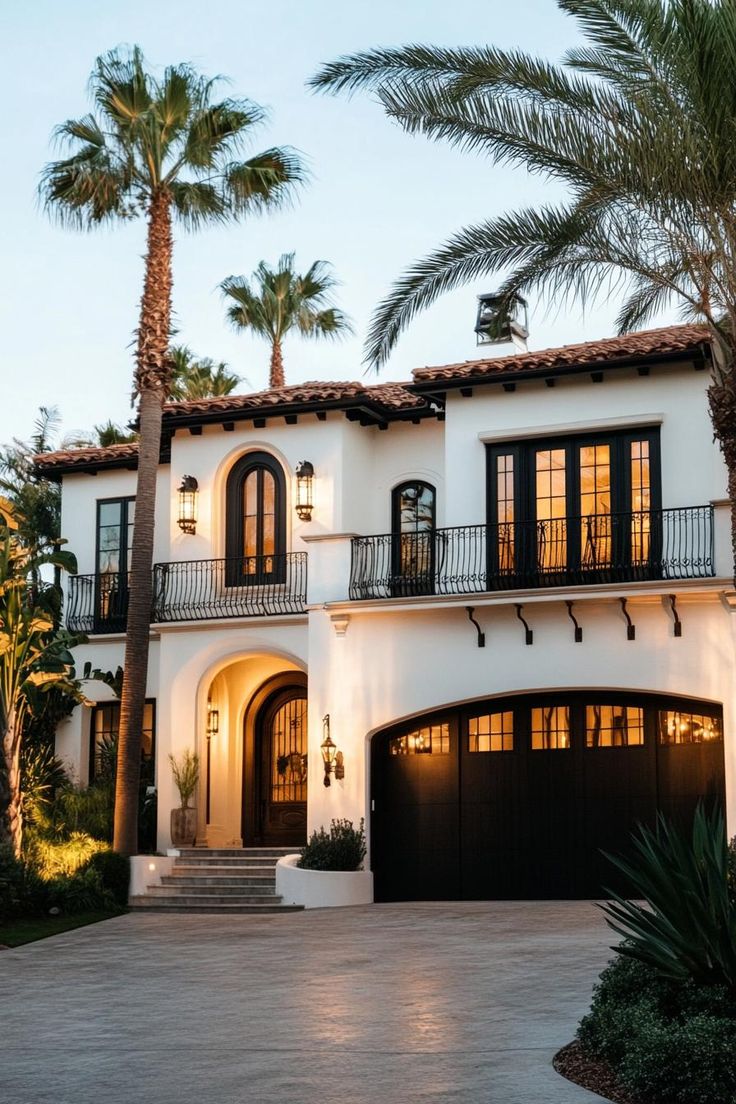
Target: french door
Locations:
point(574, 509)
point(115, 519)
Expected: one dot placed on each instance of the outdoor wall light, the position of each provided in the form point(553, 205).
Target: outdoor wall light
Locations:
point(213, 720)
point(188, 492)
point(304, 482)
point(331, 757)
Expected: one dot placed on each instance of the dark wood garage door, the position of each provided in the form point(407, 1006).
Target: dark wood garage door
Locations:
point(517, 798)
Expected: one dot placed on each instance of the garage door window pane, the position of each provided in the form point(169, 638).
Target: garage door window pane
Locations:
point(688, 728)
point(431, 740)
point(613, 726)
point(550, 728)
point(493, 732)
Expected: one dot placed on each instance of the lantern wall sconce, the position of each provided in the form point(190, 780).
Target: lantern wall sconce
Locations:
point(213, 720)
point(332, 759)
point(188, 493)
point(304, 485)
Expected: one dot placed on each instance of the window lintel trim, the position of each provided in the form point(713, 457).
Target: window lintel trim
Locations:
point(566, 429)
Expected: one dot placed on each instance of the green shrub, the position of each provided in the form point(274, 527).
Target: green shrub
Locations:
point(22, 893)
point(687, 928)
point(114, 872)
point(86, 809)
point(61, 858)
point(669, 1042)
point(693, 1062)
point(84, 891)
point(342, 848)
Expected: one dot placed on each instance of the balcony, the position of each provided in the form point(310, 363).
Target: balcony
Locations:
point(474, 559)
point(194, 590)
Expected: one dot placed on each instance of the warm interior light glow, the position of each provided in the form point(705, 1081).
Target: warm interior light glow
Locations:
point(151, 866)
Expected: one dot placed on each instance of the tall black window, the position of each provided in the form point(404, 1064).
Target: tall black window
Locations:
point(413, 525)
point(103, 741)
point(115, 519)
point(256, 521)
point(577, 507)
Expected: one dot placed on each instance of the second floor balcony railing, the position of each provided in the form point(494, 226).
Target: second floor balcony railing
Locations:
point(471, 559)
point(194, 590)
point(252, 586)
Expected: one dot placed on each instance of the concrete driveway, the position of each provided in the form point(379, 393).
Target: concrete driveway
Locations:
point(388, 1004)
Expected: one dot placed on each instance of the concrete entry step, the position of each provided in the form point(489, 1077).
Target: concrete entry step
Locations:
point(202, 904)
point(230, 879)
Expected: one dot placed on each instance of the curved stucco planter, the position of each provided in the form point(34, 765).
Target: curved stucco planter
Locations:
point(322, 888)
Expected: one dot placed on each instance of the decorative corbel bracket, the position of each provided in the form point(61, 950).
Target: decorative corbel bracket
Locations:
point(470, 610)
point(340, 622)
point(672, 599)
point(528, 634)
point(630, 626)
point(573, 618)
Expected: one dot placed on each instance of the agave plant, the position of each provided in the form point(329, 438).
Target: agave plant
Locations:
point(687, 925)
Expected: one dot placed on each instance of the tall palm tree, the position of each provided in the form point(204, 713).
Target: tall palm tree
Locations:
point(639, 123)
point(279, 300)
point(161, 148)
point(199, 377)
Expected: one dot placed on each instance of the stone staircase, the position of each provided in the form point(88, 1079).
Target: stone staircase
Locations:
point(225, 880)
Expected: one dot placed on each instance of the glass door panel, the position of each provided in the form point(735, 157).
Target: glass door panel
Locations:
point(641, 502)
point(551, 509)
point(506, 544)
point(595, 506)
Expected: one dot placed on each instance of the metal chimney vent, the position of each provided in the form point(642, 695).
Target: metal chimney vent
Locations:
point(501, 320)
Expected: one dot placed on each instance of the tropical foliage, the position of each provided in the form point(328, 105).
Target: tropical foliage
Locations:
point(277, 301)
point(36, 501)
point(199, 377)
point(35, 656)
point(687, 927)
point(186, 774)
point(638, 123)
point(165, 149)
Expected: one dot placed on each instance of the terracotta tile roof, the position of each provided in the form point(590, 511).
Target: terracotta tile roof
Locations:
point(113, 455)
point(610, 350)
point(391, 396)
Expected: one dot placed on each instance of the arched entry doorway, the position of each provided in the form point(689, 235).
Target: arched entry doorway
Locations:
point(519, 797)
point(275, 769)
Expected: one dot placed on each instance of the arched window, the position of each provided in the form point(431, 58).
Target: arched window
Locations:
point(255, 536)
point(413, 524)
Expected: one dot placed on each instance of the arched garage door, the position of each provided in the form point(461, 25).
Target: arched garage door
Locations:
point(516, 798)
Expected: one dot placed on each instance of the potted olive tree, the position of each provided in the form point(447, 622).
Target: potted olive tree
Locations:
point(184, 819)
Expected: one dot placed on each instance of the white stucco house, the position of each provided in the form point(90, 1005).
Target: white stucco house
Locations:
point(503, 589)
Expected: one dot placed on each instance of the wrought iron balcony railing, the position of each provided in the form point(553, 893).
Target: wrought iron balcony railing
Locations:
point(97, 603)
point(194, 590)
point(471, 559)
point(254, 586)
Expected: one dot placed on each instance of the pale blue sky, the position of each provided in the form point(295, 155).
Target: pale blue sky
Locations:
point(377, 198)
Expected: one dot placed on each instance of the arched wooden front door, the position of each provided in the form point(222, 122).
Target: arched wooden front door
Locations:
point(281, 763)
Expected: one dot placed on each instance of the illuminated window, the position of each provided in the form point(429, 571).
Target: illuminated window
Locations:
point(550, 728)
point(614, 726)
point(493, 732)
point(104, 740)
point(551, 507)
point(431, 740)
point(688, 728)
point(256, 521)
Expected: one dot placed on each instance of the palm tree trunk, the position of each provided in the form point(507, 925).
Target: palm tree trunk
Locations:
point(13, 829)
point(276, 378)
point(153, 371)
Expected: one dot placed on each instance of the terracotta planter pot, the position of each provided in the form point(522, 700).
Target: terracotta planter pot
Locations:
point(183, 827)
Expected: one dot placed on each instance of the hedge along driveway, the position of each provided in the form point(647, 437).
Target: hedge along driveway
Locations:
point(387, 1004)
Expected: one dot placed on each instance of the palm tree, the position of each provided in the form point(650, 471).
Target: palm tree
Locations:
point(279, 300)
point(110, 433)
point(199, 377)
point(35, 500)
point(639, 123)
point(160, 148)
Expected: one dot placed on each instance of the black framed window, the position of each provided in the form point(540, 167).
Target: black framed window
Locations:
point(413, 521)
point(563, 509)
point(255, 521)
point(104, 728)
point(115, 521)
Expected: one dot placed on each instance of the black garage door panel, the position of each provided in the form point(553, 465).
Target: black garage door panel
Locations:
point(449, 822)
